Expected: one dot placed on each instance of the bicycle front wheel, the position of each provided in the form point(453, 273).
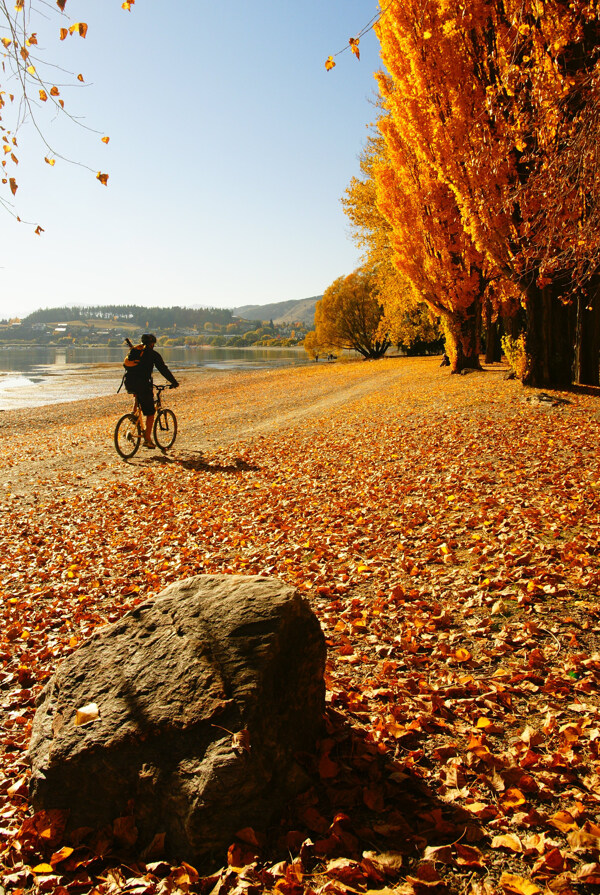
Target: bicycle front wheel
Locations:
point(127, 436)
point(165, 429)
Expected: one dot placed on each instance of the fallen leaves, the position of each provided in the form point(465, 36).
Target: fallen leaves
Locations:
point(463, 736)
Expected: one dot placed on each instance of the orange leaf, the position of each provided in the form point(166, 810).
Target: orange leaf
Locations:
point(61, 855)
point(61, 4)
point(329, 63)
point(6, 42)
point(63, 33)
point(80, 77)
point(354, 46)
point(105, 139)
point(103, 178)
point(38, 230)
point(13, 185)
point(43, 96)
point(54, 91)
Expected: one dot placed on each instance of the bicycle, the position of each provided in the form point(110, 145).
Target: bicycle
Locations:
point(129, 430)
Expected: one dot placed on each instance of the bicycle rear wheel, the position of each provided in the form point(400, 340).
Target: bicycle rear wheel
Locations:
point(127, 436)
point(165, 429)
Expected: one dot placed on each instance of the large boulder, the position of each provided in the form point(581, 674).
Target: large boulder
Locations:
point(196, 705)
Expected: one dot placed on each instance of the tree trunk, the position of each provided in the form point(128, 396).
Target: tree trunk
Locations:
point(463, 333)
point(587, 337)
point(493, 345)
point(550, 338)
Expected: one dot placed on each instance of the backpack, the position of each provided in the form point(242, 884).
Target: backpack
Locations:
point(131, 377)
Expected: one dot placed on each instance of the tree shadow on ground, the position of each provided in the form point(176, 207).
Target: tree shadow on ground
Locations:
point(195, 461)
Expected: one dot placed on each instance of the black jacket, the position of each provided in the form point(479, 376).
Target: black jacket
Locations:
point(149, 360)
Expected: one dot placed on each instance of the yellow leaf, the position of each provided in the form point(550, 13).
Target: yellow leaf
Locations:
point(518, 884)
point(80, 27)
point(43, 96)
point(6, 42)
point(427, 35)
point(329, 63)
point(512, 798)
point(43, 868)
point(31, 69)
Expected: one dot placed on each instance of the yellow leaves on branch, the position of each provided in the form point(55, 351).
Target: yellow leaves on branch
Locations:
point(353, 44)
point(80, 27)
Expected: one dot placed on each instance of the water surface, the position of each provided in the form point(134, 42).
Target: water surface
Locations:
point(34, 377)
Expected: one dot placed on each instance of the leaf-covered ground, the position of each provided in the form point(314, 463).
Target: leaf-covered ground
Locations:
point(446, 531)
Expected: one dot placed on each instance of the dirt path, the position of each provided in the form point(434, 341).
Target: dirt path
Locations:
point(70, 445)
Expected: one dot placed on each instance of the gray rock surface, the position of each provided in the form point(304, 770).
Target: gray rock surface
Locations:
point(211, 654)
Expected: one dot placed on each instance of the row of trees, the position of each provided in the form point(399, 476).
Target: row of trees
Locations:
point(135, 315)
point(479, 189)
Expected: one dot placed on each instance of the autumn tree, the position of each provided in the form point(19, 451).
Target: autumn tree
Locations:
point(349, 316)
point(407, 318)
point(489, 93)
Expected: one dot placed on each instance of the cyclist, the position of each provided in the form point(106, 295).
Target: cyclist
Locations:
point(139, 382)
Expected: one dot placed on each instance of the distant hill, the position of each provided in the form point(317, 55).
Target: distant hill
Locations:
point(301, 310)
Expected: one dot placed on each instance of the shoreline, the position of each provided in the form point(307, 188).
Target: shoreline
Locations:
point(46, 384)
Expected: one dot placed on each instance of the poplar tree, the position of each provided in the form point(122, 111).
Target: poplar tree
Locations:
point(486, 95)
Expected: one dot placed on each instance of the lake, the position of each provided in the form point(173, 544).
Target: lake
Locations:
point(34, 377)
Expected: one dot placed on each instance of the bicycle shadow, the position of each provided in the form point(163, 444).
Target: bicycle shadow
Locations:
point(196, 462)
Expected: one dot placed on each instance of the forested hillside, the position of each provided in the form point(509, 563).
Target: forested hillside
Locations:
point(138, 316)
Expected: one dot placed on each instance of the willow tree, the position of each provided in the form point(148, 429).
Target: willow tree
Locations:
point(479, 92)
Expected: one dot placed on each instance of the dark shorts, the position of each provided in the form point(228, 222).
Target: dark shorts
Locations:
point(145, 397)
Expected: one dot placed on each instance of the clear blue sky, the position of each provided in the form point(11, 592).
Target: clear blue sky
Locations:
point(230, 147)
